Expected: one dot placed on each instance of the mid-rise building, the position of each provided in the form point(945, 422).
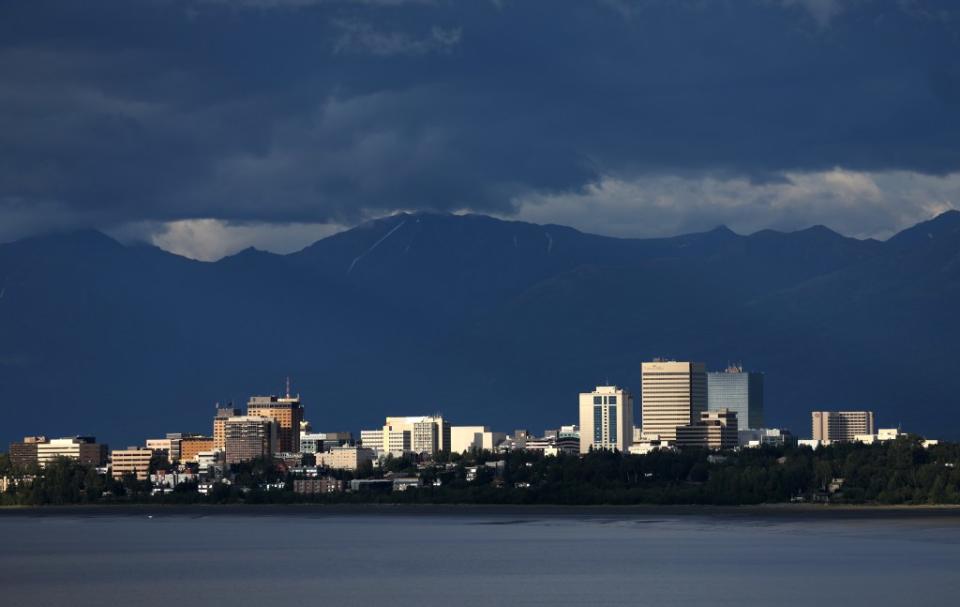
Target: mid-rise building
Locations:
point(23, 455)
point(161, 446)
point(714, 430)
point(470, 438)
point(287, 412)
point(740, 391)
point(426, 435)
point(674, 394)
point(132, 460)
point(84, 449)
point(248, 437)
point(606, 419)
point(345, 458)
point(317, 442)
point(219, 421)
point(841, 426)
point(190, 446)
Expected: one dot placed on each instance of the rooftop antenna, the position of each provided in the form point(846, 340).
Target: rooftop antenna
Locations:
point(288, 386)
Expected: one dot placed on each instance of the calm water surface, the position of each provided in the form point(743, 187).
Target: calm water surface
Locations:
point(187, 559)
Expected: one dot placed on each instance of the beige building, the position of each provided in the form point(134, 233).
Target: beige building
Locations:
point(132, 460)
point(674, 394)
point(469, 438)
point(287, 412)
point(81, 448)
point(411, 434)
point(841, 426)
point(219, 423)
point(248, 437)
point(716, 429)
point(345, 458)
point(606, 419)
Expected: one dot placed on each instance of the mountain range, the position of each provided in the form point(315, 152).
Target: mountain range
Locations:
point(488, 321)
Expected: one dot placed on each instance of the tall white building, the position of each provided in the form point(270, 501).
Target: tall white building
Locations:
point(606, 419)
point(674, 394)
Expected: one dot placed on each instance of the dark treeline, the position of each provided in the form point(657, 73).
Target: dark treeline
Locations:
point(898, 472)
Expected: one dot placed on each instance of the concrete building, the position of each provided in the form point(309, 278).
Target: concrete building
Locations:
point(317, 442)
point(190, 446)
point(674, 394)
point(740, 391)
point(81, 448)
point(606, 419)
point(249, 437)
point(346, 458)
point(317, 486)
point(840, 426)
point(132, 460)
point(161, 446)
point(714, 430)
point(219, 421)
point(287, 412)
point(23, 455)
point(469, 438)
point(758, 437)
point(426, 435)
point(208, 460)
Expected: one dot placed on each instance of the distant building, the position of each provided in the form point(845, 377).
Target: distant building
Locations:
point(132, 460)
point(161, 446)
point(81, 448)
point(219, 421)
point(345, 458)
point(740, 391)
point(317, 486)
point(606, 419)
point(714, 430)
point(469, 438)
point(249, 437)
point(23, 455)
point(317, 442)
point(674, 394)
point(841, 426)
point(757, 437)
point(425, 435)
point(190, 446)
point(287, 412)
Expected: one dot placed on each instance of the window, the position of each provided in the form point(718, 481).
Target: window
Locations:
point(597, 424)
point(613, 400)
point(597, 400)
point(613, 424)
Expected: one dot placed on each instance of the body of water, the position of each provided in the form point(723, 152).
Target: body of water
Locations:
point(511, 557)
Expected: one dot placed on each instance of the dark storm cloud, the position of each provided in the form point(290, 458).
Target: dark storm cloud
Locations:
point(313, 110)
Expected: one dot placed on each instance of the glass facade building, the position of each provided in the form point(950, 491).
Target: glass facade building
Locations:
point(740, 391)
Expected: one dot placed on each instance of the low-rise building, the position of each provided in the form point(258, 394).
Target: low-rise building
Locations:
point(317, 442)
point(841, 426)
point(758, 437)
point(345, 458)
point(716, 429)
point(23, 455)
point(132, 460)
point(316, 486)
point(84, 449)
point(474, 438)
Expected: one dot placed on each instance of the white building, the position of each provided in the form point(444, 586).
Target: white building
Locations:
point(468, 438)
point(409, 434)
point(606, 419)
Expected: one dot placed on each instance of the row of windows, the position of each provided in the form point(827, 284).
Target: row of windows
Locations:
point(604, 400)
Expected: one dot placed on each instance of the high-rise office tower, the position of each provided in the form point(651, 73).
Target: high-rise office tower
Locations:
point(287, 412)
point(841, 425)
point(674, 394)
point(221, 417)
point(737, 390)
point(249, 437)
point(606, 419)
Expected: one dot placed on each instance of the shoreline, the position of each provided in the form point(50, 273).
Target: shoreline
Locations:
point(763, 511)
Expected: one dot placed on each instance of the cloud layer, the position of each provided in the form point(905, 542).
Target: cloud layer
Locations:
point(762, 113)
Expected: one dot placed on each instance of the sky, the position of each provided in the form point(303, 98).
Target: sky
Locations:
point(206, 126)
